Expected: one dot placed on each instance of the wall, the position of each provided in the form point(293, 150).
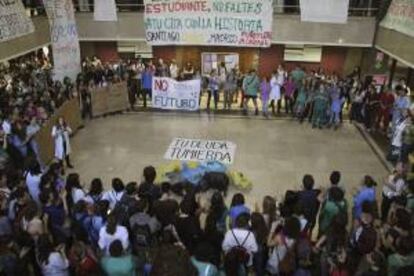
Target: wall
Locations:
point(28, 43)
point(106, 51)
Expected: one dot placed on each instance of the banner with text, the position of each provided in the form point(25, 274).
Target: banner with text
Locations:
point(64, 38)
point(201, 150)
point(13, 20)
point(105, 10)
point(242, 23)
point(400, 17)
point(325, 11)
point(176, 95)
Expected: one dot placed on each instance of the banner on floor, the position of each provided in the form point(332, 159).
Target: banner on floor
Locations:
point(201, 150)
point(325, 11)
point(64, 39)
point(14, 21)
point(170, 94)
point(400, 17)
point(105, 10)
point(209, 22)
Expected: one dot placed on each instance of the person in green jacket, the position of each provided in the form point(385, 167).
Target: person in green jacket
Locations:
point(320, 107)
point(404, 257)
point(301, 99)
point(333, 205)
point(251, 86)
point(118, 264)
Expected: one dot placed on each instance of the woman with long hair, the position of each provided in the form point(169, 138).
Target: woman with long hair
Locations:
point(52, 259)
point(261, 232)
point(269, 210)
point(60, 133)
point(111, 232)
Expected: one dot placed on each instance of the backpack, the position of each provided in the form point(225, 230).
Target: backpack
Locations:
point(238, 254)
point(287, 265)
point(342, 211)
point(367, 240)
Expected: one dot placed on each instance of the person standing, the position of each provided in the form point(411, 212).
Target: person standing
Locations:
point(275, 94)
point(264, 93)
point(393, 187)
point(162, 69)
point(251, 85)
point(60, 133)
point(146, 84)
point(371, 107)
point(230, 86)
point(386, 102)
point(319, 107)
point(401, 104)
point(173, 69)
point(289, 87)
point(213, 89)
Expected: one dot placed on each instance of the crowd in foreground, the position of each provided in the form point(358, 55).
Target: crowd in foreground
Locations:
point(51, 224)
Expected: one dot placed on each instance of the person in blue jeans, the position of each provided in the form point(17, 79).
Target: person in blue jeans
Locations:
point(365, 193)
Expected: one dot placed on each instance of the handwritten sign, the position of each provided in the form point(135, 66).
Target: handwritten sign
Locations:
point(176, 95)
point(13, 20)
point(64, 38)
point(201, 150)
point(400, 17)
point(209, 22)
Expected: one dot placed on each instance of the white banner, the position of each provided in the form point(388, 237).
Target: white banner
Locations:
point(176, 95)
point(64, 39)
point(105, 10)
point(325, 11)
point(201, 150)
point(239, 23)
point(400, 17)
point(13, 20)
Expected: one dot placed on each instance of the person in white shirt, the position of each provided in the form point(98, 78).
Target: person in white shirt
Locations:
point(53, 261)
point(241, 236)
point(74, 188)
point(111, 232)
point(173, 69)
point(60, 133)
point(393, 187)
point(95, 192)
point(275, 94)
point(33, 178)
point(115, 194)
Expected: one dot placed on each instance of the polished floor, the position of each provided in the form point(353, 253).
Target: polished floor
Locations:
point(274, 154)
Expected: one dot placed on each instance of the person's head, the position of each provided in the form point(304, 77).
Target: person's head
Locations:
point(335, 178)
point(308, 182)
point(149, 174)
point(101, 208)
point(73, 182)
point(117, 185)
point(204, 252)
point(31, 211)
point(111, 224)
point(165, 187)
point(259, 227)
point(292, 227)
point(242, 221)
point(269, 208)
point(115, 249)
point(369, 181)
point(61, 121)
point(171, 260)
point(217, 203)
point(96, 187)
point(131, 188)
point(238, 199)
point(187, 207)
point(252, 72)
point(336, 194)
point(403, 219)
point(140, 206)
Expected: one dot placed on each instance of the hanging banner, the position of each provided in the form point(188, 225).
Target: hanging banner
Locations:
point(325, 11)
point(105, 10)
point(400, 17)
point(13, 20)
point(238, 23)
point(64, 39)
point(175, 95)
point(201, 150)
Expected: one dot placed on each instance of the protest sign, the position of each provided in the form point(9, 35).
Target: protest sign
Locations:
point(325, 11)
point(209, 22)
point(64, 38)
point(400, 17)
point(175, 95)
point(105, 10)
point(201, 150)
point(13, 20)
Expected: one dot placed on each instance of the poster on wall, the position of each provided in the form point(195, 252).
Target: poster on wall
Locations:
point(13, 20)
point(400, 17)
point(324, 11)
point(105, 10)
point(175, 95)
point(209, 22)
point(200, 150)
point(64, 39)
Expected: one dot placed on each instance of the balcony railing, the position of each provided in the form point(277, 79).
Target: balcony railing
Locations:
point(356, 7)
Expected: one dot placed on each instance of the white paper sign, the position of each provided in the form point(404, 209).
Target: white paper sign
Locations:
point(325, 11)
point(241, 23)
point(201, 150)
point(105, 10)
point(175, 95)
point(64, 38)
point(13, 20)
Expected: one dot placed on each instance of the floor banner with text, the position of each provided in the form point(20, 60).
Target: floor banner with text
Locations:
point(175, 95)
point(238, 23)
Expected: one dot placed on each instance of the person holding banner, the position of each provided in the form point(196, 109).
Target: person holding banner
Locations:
point(61, 132)
point(146, 84)
point(251, 85)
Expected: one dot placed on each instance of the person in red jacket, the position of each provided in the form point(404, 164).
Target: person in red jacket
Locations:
point(386, 99)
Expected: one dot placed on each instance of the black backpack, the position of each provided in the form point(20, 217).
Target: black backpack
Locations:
point(238, 254)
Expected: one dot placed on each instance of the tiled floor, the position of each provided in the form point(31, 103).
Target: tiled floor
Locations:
point(274, 154)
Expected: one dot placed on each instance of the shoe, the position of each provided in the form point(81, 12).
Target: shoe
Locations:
point(244, 112)
point(70, 166)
